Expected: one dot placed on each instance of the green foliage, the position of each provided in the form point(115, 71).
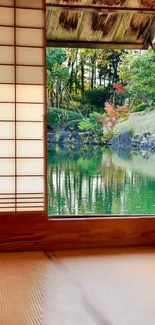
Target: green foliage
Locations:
point(75, 105)
point(131, 132)
point(58, 117)
point(85, 125)
point(107, 137)
point(152, 108)
point(55, 57)
point(89, 124)
point(98, 97)
point(88, 108)
point(74, 116)
point(94, 116)
point(139, 108)
point(72, 125)
point(138, 69)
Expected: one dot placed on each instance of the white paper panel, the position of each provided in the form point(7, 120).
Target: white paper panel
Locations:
point(6, 3)
point(6, 35)
point(30, 93)
point(7, 16)
point(30, 200)
point(27, 195)
point(30, 184)
point(10, 204)
point(10, 200)
point(30, 148)
point(7, 130)
point(7, 148)
point(30, 166)
point(30, 112)
point(5, 196)
point(30, 204)
point(7, 184)
point(6, 55)
point(30, 3)
point(30, 209)
point(29, 56)
point(7, 111)
point(30, 75)
point(7, 93)
point(7, 167)
point(29, 130)
point(7, 74)
point(30, 18)
point(29, 37)
point(4, 209)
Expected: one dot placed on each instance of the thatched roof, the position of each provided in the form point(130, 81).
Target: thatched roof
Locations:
point(100, 23)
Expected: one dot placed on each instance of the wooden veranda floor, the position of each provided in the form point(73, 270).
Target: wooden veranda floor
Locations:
point(102, 287)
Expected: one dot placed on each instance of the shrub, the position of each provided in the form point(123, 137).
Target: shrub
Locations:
point(75, 105)
point(56, 117)
point(74, 116)
point(85, 125)
point(139, 108)
point(88, 108)
point(131, 132)
point(72, 125)
point(98, 97)
point(152, 107)
point(94, 116)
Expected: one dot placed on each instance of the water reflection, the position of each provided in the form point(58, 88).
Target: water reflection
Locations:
point(92, 180)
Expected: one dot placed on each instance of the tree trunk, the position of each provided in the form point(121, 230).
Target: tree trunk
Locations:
point(82, 81)
point(92, 77)
point(58, 91)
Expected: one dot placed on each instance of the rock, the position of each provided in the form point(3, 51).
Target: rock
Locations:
point(85, 134)
point(125, 139)
point(114, 141)
point(51, 138)
point(76, 135)
point(64, 135)
point(94, 141)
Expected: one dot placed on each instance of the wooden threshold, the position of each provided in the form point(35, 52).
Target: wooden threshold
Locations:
point(34, 232)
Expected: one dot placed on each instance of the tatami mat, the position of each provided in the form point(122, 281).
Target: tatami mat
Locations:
point(22, 280)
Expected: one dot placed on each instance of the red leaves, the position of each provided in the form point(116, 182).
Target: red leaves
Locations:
point(111, 118)
point(119, 88)
point(123, 108)
point(113, 115)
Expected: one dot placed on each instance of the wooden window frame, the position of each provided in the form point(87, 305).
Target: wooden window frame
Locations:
point(34, 231)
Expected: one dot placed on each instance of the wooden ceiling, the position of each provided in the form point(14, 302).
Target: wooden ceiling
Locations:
point(105, 24)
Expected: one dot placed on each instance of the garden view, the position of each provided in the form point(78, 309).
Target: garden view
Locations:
point(101, 131)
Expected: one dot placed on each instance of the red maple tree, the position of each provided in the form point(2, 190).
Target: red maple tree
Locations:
point(112, 116)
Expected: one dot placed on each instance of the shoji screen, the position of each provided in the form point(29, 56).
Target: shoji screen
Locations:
point(22, 105)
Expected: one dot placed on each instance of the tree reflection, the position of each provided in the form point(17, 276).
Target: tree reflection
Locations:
point(88, 181)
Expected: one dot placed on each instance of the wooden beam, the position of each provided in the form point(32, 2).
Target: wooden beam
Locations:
point(96, 45)
point(76, 233)
point(107, 10)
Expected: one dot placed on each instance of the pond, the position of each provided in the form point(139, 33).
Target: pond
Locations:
point(93, 180)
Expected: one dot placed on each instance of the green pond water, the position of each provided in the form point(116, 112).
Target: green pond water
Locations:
point(93, 180)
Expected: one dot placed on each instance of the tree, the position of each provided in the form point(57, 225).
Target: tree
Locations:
point(112, 116)
point(98, 97)
point(57, 74)
point(138, 70)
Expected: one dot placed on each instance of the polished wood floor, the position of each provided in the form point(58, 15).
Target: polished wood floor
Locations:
point(102, 287)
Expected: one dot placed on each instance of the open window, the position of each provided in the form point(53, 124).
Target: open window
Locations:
point(26, 27)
